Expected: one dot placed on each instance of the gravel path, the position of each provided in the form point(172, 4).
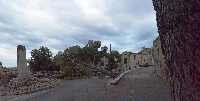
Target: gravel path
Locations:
point(137, 85)
point(141, 85)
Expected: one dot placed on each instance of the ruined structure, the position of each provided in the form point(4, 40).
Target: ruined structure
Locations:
point(26, 83)
point(22, 63)
point(178, 27)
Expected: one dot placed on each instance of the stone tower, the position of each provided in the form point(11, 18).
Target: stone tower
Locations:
point(22, 63)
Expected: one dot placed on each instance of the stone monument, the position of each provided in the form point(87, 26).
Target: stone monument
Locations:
point(22, 63)
point(26, 83)
point(1, 69)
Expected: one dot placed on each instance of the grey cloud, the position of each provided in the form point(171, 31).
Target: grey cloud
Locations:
point(71, 27)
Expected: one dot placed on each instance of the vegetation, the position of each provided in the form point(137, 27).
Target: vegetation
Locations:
point(113, 59)
point(41, 60)
point(74, 61)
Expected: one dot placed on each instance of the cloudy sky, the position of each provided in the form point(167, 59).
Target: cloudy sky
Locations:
point(58, 24)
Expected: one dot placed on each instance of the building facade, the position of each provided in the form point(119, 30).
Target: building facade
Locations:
point(131, 60)
point(149, 53)
point(159, 61)
point(125, 63)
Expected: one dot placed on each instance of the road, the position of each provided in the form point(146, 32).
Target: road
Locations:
point(137, 85)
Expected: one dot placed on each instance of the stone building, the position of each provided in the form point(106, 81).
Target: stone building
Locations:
point(130, 60)
point(149, 53)
point(125, 61)
point(137, 59)
point(159, 61)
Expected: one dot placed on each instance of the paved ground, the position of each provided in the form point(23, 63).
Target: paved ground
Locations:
point(140, 85)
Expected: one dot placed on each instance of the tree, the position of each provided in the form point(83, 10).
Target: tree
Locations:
point(104, 51)
point(114, 58)
point(58, 60)
point(91, 52)
point(178, 27)
point(71, 59)
point(41, 60)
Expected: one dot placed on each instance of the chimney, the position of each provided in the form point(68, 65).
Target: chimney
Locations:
point(110, 48)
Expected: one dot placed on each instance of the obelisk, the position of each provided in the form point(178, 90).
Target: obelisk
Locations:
point(1, 69)
point(22, 63)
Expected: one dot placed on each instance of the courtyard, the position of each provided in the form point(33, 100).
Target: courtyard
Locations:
point(137, 85)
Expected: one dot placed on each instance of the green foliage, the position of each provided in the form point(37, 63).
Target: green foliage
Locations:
point(91, 51)
point(71, 61)
point(57, 60)
point(41, 60)
point(113, 59)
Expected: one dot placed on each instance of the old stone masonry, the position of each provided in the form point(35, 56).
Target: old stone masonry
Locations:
point(25, 83)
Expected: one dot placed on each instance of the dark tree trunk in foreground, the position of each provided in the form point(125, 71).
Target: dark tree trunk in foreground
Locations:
point(179, 30)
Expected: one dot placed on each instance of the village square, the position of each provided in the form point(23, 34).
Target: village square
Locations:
point(138, 76)
point(99, 50)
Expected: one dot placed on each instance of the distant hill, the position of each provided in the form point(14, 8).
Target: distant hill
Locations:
point(12, 67)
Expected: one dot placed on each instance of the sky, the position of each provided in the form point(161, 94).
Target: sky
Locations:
point(128, 25)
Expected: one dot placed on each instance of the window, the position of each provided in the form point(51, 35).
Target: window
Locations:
point(134, 56)
point(125, 60)
point(141, 56)
point(144, 60)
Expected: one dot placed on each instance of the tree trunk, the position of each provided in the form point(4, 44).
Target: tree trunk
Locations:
point(179, 30)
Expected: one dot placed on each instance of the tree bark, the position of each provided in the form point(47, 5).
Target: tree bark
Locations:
point(179, 30)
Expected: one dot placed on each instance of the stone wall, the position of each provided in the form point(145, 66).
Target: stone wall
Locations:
point(179, 30)
point(30, 86)
point(159, 61)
